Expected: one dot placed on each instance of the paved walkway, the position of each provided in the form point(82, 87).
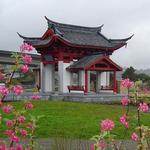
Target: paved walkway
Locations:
point(68, 144)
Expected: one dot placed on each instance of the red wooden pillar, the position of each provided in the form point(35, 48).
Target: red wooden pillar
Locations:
point(115, 83)
point(86, 82)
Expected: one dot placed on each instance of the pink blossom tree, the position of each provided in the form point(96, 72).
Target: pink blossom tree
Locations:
point(141, 133)
point(18, 127)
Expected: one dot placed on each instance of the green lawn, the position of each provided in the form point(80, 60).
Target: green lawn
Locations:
point(76, 120)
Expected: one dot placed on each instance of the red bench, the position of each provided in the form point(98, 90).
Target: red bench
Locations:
point(75, 88)
point(106, 88)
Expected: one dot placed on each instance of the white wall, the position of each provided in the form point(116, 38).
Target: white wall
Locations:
point(108, 78)
point(64, 76)
point(82, 77)
point(103, 79)
point(98, 81)
point(41, 76)
point(47, 77)
point(37, 77)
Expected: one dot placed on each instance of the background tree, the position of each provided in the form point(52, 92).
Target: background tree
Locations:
point(143, 77)
point(129, 73)
point(133, 76)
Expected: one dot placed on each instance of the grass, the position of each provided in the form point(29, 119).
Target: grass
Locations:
point(76, 120)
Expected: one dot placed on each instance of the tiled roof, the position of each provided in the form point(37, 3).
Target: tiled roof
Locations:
point(77, 35)
point(83, 35)
point(86, 61)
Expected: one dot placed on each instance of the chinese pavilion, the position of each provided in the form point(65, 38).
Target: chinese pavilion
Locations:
point(78, 55)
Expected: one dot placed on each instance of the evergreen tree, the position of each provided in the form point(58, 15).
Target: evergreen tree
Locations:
point(129, 73)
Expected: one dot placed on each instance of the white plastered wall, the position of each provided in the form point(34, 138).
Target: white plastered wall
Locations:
point(103, 79)
point(98, 81)
point(64, 76)
point(41, 76)
point(47, 77)
point(108, 78)
point(82, 77)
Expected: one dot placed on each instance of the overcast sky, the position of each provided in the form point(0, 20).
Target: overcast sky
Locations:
point(121, 18)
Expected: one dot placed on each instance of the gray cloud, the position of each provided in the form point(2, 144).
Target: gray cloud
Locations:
point(121, 18)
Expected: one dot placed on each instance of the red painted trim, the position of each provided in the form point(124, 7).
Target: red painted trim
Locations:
point(50, 62)
point(48, 33)
point(103, 63)
point(101, 69)
point(101, 59)
point(117, 66)
point(58, 38)
point(93, 68)
point(86, 82)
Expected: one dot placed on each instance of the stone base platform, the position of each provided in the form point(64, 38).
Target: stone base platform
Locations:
point(73, 97)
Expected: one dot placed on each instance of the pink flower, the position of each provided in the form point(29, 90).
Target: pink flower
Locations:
point(30, 125)
point(126, 125)
point(125, 101)
point(21, 119)
point(19, 147)
point(27, 58)
point(26, 47)
point(102, 144)
point(14, 138)
point(4, 91)
point(9, 123)
point(23, 132)
point(12, 148)
point(134, 137)
point(145, 91)
point(18, 89)
point(28, 105)
point(7, 108)
point(143, 107)
point(127, 83)
point(2, 76)
point(24, 68)
point(107, 125)
point(3, 146)
point(36, 97)
point(123, 120)
point(9, 132)
point(92, 147)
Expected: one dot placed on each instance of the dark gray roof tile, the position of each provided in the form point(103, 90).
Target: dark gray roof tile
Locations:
point(38, 42)
point(78, 35)
point(85, 61)
point(89, 60)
